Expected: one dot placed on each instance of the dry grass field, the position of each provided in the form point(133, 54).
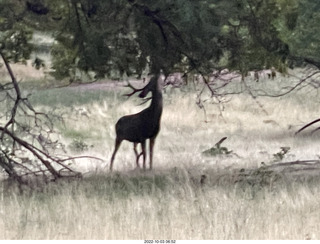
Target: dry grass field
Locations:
point(249, 193)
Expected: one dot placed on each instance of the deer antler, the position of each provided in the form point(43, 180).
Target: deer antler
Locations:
point(145, 100)
point(135, 90)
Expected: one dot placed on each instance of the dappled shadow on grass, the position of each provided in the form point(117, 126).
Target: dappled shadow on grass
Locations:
point(182, 182)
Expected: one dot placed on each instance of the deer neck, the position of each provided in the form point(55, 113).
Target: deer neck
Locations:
point(156, 103)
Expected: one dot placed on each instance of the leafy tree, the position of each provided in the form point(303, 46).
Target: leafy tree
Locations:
point(128, 37)
point(302, 32)
point(120, 37)
point(255, 41)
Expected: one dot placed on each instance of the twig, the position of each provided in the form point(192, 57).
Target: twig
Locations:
point(307, 125)
point(298, 162)
point(292, 88)
point(79, 157)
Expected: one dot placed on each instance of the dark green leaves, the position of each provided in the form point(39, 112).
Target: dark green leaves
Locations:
point(125, 37)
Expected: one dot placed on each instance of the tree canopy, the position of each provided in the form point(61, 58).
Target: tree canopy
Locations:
point(117, 37)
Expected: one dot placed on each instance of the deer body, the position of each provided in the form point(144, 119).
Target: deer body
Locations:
point(137, 128)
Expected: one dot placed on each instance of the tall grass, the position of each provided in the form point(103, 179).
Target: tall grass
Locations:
point(161, 205)
point(188, 195)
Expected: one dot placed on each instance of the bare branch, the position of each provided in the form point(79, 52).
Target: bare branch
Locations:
point(294, 87)
point(29, 133)
point(307, 125)
point(79, 157)
point(16, 88)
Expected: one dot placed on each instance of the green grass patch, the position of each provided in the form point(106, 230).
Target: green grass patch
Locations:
point(70, 96)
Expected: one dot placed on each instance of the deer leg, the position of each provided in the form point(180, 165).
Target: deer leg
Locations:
point(143, 147)
point(136, 153)
point(152, 141)
point(117, 145)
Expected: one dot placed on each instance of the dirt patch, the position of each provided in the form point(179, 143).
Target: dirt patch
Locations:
point(105, 85)
point(22, 72)
point(26, 72)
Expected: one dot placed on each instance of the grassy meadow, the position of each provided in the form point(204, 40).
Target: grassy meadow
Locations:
point(247, 193)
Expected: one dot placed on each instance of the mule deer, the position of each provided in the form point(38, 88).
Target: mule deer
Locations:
point(137, 128)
